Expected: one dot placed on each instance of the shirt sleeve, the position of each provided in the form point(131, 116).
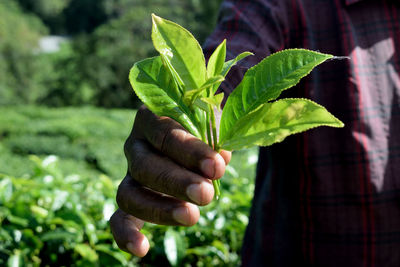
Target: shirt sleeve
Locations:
point(258, 26)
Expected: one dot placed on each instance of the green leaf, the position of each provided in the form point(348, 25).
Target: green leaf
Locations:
point(60, 235)
point(18, 220)
point(172, 71)
point(89, 225)
point(199, 103)
point(179, 46)
point(265, 82)
point(116, 255)
point(217, 60)
point(227, 67)
point(6, 189)
point(214, 101)
point(15, 259)
point(174, 247)
point(39, 211)
point(86, 252)
point(154, 86)
point(190, 96)
point(273, 122)
point(230, 63)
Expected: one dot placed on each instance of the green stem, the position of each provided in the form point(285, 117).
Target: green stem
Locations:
point(212, 140)
point(216, 189)
point(214, 130)
point(214, 145)
point(210, 143)
point(208, 130)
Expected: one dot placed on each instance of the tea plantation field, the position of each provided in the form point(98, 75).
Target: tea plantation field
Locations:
point(59, 170)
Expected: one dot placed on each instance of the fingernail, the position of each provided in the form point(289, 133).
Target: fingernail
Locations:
point(131, 248)
point(207, 166)
point(180, 215)
point(197, 192)
point(140, 250)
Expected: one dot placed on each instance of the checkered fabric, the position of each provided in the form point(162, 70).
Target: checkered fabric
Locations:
point(327, 197)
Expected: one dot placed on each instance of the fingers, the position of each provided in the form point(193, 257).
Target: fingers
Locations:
point(125, 229)
point(161, 174)
point(170, 138)
point(154, 207)
point(226, 155)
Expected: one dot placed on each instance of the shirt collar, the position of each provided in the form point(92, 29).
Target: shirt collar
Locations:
point(350, 2)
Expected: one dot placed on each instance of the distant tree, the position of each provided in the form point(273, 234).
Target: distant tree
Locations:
point(21, 70)
point(49, 11)
point(103, 58)
point(107, 37)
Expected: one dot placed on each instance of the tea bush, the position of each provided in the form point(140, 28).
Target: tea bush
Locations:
point(90, 138)
point(54, 208)
point(51, 219)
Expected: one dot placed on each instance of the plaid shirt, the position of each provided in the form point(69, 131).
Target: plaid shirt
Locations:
point(327, 197)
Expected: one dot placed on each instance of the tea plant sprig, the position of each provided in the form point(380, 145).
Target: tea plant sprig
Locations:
point(180, 85)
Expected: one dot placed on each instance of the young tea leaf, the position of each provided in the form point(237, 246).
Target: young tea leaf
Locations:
point(217, 60)
point(214, 101)
point(265, 82)
point(190, 96)
point(174, 74)
point(230, 63)
point(179, 85)
point(157, 90)
point(183, 51)
point(273, 122)
point(227, 67)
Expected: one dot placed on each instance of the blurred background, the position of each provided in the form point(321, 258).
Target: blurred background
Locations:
point(66, 108)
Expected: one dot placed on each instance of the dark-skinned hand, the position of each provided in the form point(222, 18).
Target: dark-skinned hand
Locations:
point(169, 174)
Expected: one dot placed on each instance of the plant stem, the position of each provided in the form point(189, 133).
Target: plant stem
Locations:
point(214, 144)
point(216, 189)
point(210, 143)
point(214, 130)
point(208, 130)
point(212, 139)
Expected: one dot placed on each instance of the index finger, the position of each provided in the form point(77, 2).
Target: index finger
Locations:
point(171, 139)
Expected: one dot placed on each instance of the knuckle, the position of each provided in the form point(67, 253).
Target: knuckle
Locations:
point(127, 146)
point(142, 114)
point(158, 137)
point(120, 195)
point(136, 152)
point(141, 109)
point(132, 146)
point(138, 163)
point(170, 138)
point(114, 220)
point(165, 180)
point(156, 215)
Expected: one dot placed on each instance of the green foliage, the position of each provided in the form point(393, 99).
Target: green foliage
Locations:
point(54, 209)
point(19, 34)
point(48, 218)
point(68, 16)
point(159, 91)
point(88, 140)
point(273, 122)
point(179, 85)
point(105, 38)
point(179, 51)
point(247, 112)
point(121, 41)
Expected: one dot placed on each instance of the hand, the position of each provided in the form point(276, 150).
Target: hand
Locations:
point(169, 170)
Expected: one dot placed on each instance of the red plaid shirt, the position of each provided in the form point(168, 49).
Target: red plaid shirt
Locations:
point(327, 197)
